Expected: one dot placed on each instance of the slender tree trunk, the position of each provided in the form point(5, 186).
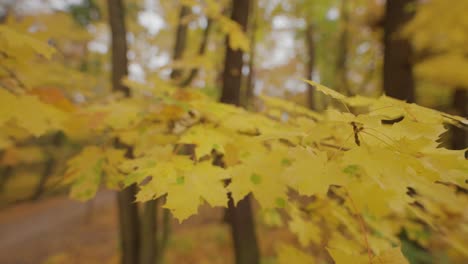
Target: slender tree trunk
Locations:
point(5, 175)
point(242, 223)
point(149, 245)
point(310, 44)
point(48, 168)
point(460, 104)
point(247, 101)
point(232, 74)
point(240, 217)
point(176, 75)
point(343, 50)
point(5, 15)
point(128, 210)
point(398, 80)
point(129, 225)
point(154, 253)
point(181, 41)
point(201, 50)
point(56, 141)
point(119, 45)
point(164, 235)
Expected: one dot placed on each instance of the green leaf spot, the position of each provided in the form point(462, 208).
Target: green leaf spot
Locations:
point(98, 167)
point(280, 202)
point(142, 130)
point(286, 162)
point(216, 146)
point(180, 180)
point(245, 155)
point(151, 163)
point(351, 169)
point(255, 178)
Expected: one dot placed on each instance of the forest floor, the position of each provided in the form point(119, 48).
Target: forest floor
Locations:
point(58, 230)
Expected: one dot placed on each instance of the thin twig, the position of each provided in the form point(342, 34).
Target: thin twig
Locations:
point(334, 146)
point(362, 225)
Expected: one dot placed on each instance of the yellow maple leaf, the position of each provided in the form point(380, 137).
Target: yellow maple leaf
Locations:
point(310, 173)
point(391, 256)
point(201, 182)
point(306, 231)
point(237, 37)
point(206, 138)
point(84, 172)
point(330, 92)
point(288, 254)
point(261, 175)
point(342, 257)
point(161, 173)
point(30, 113)
point(17, 43)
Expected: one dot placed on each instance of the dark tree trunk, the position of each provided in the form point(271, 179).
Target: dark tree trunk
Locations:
point(240, 218)
point(181, 41)
point(119, 45)
point(48, 168)
point(149, 245)
point(4, 16)
point(163, 234)
point(56, 141)
point(232, 74)
point(460, 103)
point(5, 175)
point(398, 80)
point(310, 44)
point(242, 223)
point(343, 51)
point(128, 210)
point(201, 50)
point(129, 225)
point(247, 101)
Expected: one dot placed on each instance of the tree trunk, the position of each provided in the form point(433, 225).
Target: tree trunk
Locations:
point(48, 168)
point(247, 101)
point(128, 210)
point(232, 74)
point(240, 218)
point(242, 223)
point(398, 80)
point(149, 245)
point(343, 51)
point(163, 235)
point(5, 175)
point(129, 225)
point(310, 44)
point(181, 41)
point(56, 141)
point(201, 51)
point(459, 135)
point(119, 45)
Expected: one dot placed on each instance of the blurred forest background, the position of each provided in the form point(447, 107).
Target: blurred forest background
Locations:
point(412, 50)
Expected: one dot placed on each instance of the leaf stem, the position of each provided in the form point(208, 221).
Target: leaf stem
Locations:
point(362, 225)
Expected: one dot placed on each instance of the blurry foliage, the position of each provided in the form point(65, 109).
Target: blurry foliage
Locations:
point(438, 32)
point(344, 183)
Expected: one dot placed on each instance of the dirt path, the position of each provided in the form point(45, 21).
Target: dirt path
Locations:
point(33, 232)
point(61, 231)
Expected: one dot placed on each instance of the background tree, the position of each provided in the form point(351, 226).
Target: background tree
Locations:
point(239, 215)
point(311, 174)
point(398, 80)
point(128, 210)
point(442, 61)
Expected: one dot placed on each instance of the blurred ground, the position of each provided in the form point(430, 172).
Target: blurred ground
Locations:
point(32, 232)
point(58, 230)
